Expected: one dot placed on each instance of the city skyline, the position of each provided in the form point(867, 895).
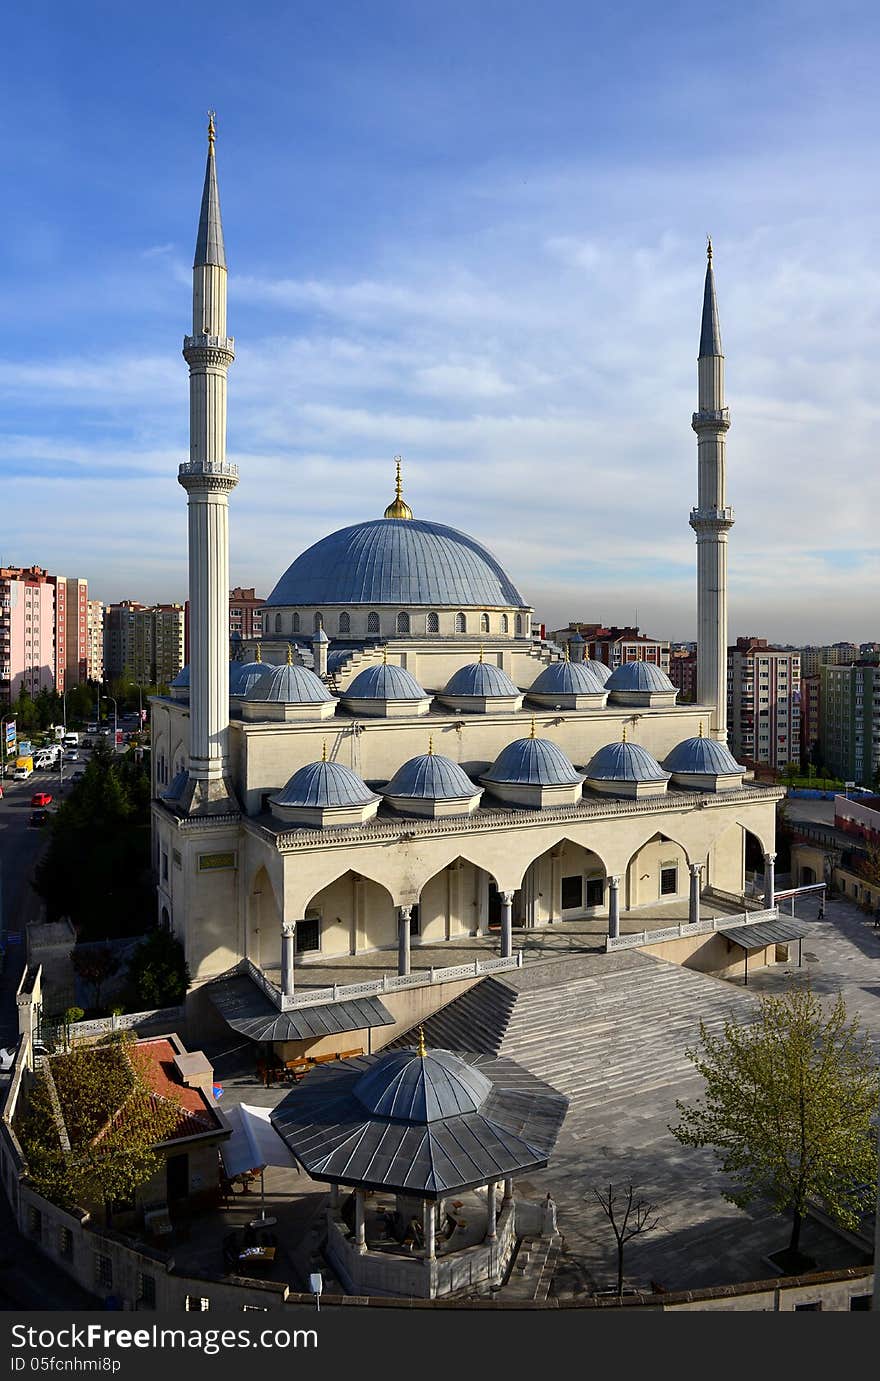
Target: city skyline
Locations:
point(477, 248)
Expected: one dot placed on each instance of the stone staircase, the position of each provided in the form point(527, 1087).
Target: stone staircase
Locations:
point(532, 1270)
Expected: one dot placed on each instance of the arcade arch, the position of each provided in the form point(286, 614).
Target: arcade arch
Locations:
point(566, 882)
point(658, 872)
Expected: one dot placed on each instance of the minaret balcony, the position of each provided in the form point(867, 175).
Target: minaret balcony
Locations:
point(711, 419)
point(218, 351)
point(711, 519)
point(207, 474)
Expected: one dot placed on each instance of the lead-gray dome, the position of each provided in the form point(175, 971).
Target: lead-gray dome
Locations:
point(289, 685)
point(703, 756)
point(389, 561)
point(625, 762)
point(327, 784)
point(384, 682)
point(533, 762)
point(598, 669)
point(567, 678)
point(638, 676)
point(243, 676)
point(431, 777)
point(410, 1087)
point(482, 680)
point(181, 680)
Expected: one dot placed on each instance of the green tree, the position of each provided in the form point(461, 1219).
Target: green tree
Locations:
point(157, 972)
point(788, 1109)
point(95, 965)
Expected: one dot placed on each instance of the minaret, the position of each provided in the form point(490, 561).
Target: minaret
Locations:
point(711, 519)
point(208, 481)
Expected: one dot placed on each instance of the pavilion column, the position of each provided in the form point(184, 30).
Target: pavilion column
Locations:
point(491, 1197)
point(769, 880)
point(404, 915)
point(360, 1232)
point(288, 939)
point(506, 925)
point(613, 906)
point(507, 1200)
point(694, 900)
point(429, 1220)
point(334, 1196)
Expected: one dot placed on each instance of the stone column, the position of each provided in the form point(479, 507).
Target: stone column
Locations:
point(429, 1219)
point(694, 900)
point(506, 925)
point(404, 914)
point(769, 880)
point(491, 1196)
point(507, 1200)
point(288, 938)
point(360, 1234)
point(334, 1196)
point(614, 906)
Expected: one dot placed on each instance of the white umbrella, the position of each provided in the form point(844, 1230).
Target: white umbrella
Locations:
point(254, 1144)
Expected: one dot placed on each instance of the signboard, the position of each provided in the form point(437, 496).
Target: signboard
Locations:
point(209, 861)
point(118, 737)
point(24, 748)
point(10, 732)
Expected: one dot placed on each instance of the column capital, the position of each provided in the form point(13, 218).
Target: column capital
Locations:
point(288, 929)
point(769, 858)
point(696, 869)
point(614, 880)
point(405, 913)
point(507, 897)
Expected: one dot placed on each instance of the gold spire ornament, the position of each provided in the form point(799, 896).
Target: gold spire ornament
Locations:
point(258, 655)
point(532, 730)
point(421, 1048)
point(430, 745)
point(624, 734)
point(385, 656)
point(480, 658)
point(399, 508)
point(211, 116)
point(324, 751)
point(701, 728)
point(289, 655)
point(567, 651)
point(709, 248)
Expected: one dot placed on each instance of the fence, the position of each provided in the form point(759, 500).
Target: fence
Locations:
point(686, 928)
point(164, 1017)
point(388, 983)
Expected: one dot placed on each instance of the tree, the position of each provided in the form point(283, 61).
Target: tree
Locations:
point(629, 1217)
point(157, 972)
point(94, 964)
point(788, 1109)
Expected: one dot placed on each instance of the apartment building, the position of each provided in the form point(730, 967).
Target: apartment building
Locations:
point(245, 613)
point(27, 631)
point(849, 732)
point(614, 645)
point(683, 673)
point(763, 702)
point(95, 632)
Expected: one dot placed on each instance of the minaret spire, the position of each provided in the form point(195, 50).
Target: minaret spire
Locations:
point(712, 519)
point(209, 241)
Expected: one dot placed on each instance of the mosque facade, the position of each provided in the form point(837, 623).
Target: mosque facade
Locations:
point(401, 761)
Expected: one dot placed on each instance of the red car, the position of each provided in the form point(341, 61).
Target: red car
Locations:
point(41, 798)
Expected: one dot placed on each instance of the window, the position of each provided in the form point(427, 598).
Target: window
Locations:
point(484, 623)
point(277, 623)
point(813, 1308)
point(197, 1304)
point(460, 623)
point(432, 623)
point(595, 892)
point(572, 894)
point(519, 625)
point(403, 622)
point(668, 879)
point(308, 935)
point(294, 623)
point(65, 1244)
point(372, 622)
point(104, 1272)
point(146, 1290)
point(344, 622)
point(415, 920)
point(505, 624)
point(318, 622)
point(860, 1302)
point(164, 867)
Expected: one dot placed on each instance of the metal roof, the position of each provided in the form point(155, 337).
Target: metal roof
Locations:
point(625, 762)
point(289, 685)
point(384, 682)
point(535, 762)
point(638, 676)
point(209, 242)
point(765, 933)
point(337, 1140)
point(247, 1009)
point(325, 784)
point(704, 756)
point(710, 328)
point(567, 678)
point(431, 777)
point(243, 676)
point(181, 680)
point(410, 1087)
point(483, 679)
point(598, 669)
point(386, 561)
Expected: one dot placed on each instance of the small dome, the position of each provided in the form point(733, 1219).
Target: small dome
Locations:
point(432, 777)
point(481, 679)
point(575, 637)
point(181, 680)
point(319, 636)
point(638, 676)
point(533, 762)
point(598, 669)
point(567, 678)
point(384, 682)
point(243, 676)
point(289, 685)
point(625, 762)
point(326, 784)
point(703, 756)
point(407, 1086)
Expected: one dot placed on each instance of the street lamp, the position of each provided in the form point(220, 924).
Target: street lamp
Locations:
point(113, 702)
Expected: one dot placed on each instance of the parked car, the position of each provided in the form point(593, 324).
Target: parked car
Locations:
point(72, 755)
point(41, 798)
point(39, 817)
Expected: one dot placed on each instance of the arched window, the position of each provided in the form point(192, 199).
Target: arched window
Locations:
point(344, 623)
point(519, 626)
point(505, 624)
point(295, 623)
point(166, 919)
point(432, 623)
point(403, 622)
point(372, 622)
point(277, 623)
point(460, 623)
point(484, 623)
point(318, 622)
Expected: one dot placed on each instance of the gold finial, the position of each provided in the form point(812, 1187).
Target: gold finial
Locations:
point(385, 656)
point(430, 745)
point(211, 117)
point(567, 651)
point(421, 1049)
point(480, 658)
point(258, 655)
point(624, 734)
point(289, 655)
point(399, 508)
point(701, 728)
point(709, 248)
point(324, 752)
point(532, 730)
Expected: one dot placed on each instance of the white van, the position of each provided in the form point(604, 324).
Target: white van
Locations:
point(71, 740)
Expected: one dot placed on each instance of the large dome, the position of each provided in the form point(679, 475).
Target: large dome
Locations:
point(387, 561)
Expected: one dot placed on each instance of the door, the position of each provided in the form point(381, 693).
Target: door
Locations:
point(177, 1178)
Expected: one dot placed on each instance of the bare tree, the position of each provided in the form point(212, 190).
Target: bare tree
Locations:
point(629, 1217)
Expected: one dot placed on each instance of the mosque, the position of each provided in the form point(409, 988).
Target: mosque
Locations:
point(402, 762)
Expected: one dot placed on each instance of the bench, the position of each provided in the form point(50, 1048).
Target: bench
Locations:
point(297, 1069)
point(351, 1054)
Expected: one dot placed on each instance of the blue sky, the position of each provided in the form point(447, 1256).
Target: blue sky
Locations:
point(470, 233)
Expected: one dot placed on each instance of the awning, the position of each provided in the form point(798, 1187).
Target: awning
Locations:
point(750, 937)
point(247, 1009)
point(254, 1143)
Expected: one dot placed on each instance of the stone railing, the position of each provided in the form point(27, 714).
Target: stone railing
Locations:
point(686, 928)
point(126, 1021)
point(388, 983)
